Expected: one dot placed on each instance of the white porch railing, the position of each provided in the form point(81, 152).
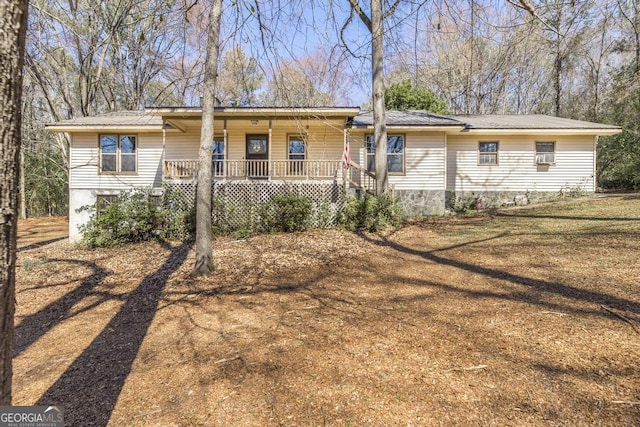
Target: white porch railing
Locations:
point(244, 169)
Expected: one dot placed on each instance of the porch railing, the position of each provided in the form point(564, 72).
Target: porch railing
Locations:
point(360, 178)
point(239, 169)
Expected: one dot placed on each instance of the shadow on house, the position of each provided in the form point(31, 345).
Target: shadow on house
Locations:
point(90, 387)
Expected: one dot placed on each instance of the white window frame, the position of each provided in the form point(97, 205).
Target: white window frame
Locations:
point(484, 155)
point(217, 159)
point(369, 142)
point(118, 154)
point(296, 165)
point(545, 157)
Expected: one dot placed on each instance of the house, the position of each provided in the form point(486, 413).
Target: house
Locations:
point(261, 152)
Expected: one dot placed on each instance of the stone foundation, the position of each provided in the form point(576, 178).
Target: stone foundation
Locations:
point(416, 203)
point(497, 199)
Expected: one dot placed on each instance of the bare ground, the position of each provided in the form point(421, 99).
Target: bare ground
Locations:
point(527, 317)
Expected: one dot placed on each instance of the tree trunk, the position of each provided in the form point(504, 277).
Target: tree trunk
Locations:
point(557, 82)
point(13, 25)
point(379, 116)
point(23, 196)
point(204, 250)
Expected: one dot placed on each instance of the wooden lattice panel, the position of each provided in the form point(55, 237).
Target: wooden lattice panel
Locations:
point(236, 204)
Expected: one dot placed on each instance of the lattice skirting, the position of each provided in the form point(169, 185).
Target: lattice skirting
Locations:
point(236, 204)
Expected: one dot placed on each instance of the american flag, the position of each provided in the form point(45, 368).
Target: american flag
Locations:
point(346, 157)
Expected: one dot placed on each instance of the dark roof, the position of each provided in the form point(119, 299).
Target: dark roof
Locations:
point(469, 121)
point(407, 118)
point(119, 118)
point(525, 121)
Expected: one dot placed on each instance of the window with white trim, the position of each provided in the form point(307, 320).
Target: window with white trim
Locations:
point(118, 153)
point(217, 156)
point(545, 153)
point(488, 153)
point(297, 153)
point(395, 153)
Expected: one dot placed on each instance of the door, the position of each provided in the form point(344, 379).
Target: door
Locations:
point(257, 156)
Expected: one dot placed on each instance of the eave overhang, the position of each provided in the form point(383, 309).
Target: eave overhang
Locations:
point(105, 128)
point(546, 131)
point(407, 129)
point(257, 112)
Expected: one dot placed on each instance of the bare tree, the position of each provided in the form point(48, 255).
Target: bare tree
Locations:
point(564, 24)
point(313, 80)
point(13, 26)
point(239, 79)
point(374, 24)
point(204, 249)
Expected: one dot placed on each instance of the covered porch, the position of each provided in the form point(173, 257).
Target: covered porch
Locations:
point(268, 144)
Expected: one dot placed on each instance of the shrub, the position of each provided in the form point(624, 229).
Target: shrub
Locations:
point(178, 214)
point(288, 213)
point(131, 217)
point(323, 217)
point(370, 213)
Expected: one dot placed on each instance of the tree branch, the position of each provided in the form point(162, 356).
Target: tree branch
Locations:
point(391, 10)
point(525, 5)
point(355, 6)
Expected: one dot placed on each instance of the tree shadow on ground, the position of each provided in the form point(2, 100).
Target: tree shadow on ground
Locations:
point(567, 217)
point(90, 387)
point(40, 244)
point(556, 288)
point(33, 327)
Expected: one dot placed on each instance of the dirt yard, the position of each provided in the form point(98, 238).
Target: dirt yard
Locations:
point(528, 317)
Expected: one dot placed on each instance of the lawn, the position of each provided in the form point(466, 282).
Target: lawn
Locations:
point(530, 316)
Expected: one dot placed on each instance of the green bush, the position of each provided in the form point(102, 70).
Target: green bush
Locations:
point(323, 216)
point(178, 214)
point(288, 213)
point(370, 213)
point(131, 217)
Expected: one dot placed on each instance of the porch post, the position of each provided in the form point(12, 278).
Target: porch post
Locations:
point(269, 171)
point(226, 150)
point(164, 143)
point(344, 153)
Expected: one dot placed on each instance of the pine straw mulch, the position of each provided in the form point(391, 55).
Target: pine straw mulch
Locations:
point(526, 317)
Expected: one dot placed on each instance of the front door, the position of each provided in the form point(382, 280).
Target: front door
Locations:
point(257, 156)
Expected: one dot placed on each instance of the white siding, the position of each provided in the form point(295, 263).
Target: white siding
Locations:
point(424, 160)
point(84, 164)
point(516, 169)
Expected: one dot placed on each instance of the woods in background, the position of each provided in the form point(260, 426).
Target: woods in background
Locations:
point(577, 59)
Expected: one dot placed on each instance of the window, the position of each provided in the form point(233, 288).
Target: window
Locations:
point(395, 153)
point(297, 147)
point(118, 153)
point(545, 153)
point(488, 153)
point(103, 201)
point(217, 156)
point(296, 154)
